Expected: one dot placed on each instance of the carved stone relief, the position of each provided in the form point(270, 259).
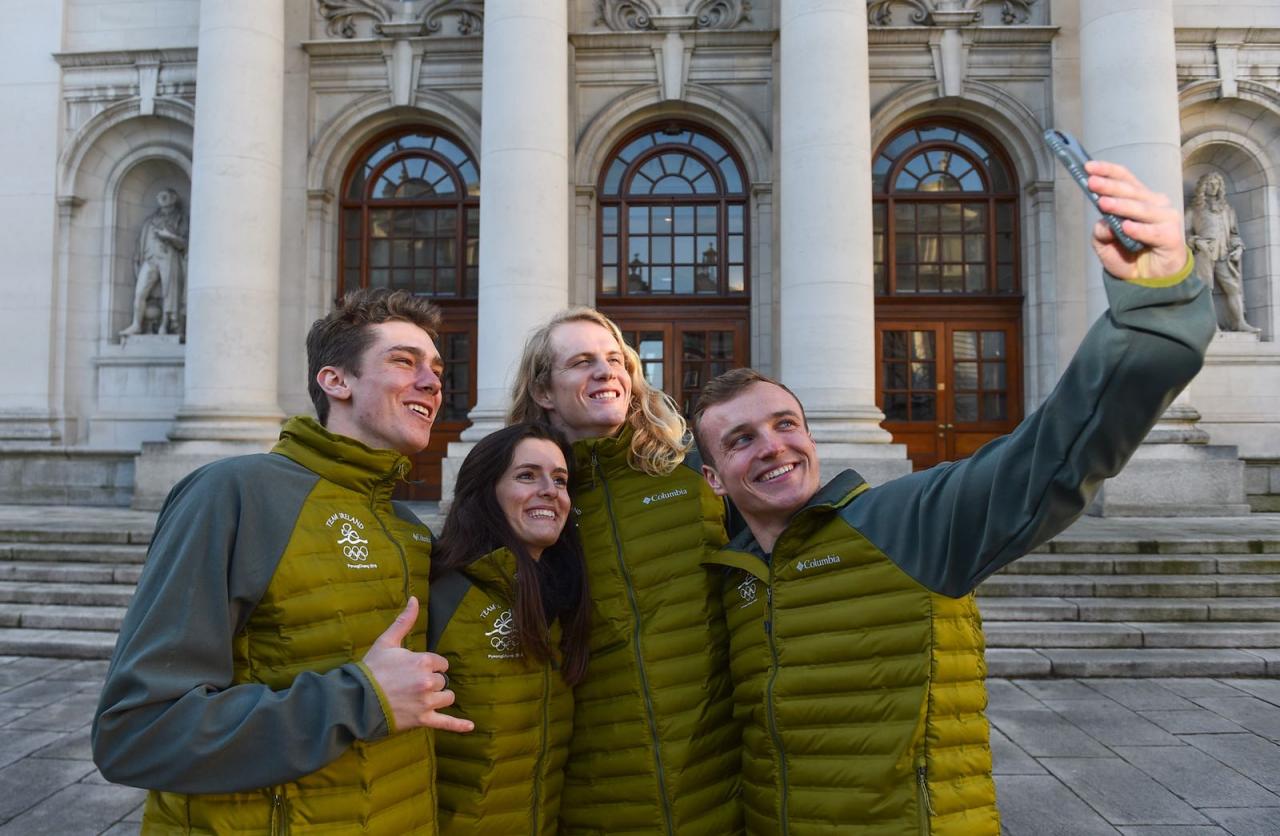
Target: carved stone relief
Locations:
point(1214, 237)
point(646, 15)
point(367, 18)
point(944, 12)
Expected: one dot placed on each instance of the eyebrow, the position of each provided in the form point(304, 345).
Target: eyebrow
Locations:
point(418, 354)
point(537, 466)
point(737, 428)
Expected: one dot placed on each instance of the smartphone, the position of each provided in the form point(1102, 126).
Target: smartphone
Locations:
point(1068, 149)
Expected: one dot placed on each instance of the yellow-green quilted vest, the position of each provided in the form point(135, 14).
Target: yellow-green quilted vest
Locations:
point(506, 776)
point(331, 596)
point(655, 747)
point(861, 691)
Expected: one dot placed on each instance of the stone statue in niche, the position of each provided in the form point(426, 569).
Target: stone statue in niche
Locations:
point(1215, 240)
point(161, 263)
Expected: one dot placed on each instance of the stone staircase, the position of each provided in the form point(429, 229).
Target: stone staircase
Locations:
point(65, 584)
point(1107, 598)
point(1132, 607)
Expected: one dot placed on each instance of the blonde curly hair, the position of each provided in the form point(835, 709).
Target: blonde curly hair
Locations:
point(661, 438)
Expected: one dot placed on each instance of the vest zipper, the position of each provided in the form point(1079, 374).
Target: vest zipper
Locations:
point(542, 749)
point(635, 614)
point(922, 795)
point(769, 627)
point(279, 818)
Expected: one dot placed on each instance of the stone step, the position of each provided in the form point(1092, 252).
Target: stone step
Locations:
point(59, 617)
point(69, 572)
point(60, 644)
point(1129, 609)
point(1181, 545)
point(91, 594)
point(74, 552)
point(1131, 586)
point(1093, 634)
point(119, 535)
point(1130, 662)
point(1144, 564)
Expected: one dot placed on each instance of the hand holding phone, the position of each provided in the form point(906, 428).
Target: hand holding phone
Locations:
point(1072, 155)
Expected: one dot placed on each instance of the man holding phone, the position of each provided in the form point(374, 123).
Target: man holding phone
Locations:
point(856, 646)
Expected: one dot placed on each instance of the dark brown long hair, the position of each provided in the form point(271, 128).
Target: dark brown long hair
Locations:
point(477, 525)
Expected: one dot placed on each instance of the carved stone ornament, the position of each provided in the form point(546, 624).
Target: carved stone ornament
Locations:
point(342, 16)
point(647, 15)
point(922, 12)
point(622, 15)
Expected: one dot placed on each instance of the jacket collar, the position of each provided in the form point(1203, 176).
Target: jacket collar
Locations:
point(609, 452)
point(339, 458)
point(830, 498)
point(495, 570)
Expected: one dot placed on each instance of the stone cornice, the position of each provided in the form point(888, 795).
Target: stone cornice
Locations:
point(370, 47)
point(944, 13)
point(700, 37)
point(1207, 36)
point(125, 57)
point(353, 19)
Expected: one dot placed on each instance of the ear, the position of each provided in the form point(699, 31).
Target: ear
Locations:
point(333, 381)
point(542, 399)
point(713, 479)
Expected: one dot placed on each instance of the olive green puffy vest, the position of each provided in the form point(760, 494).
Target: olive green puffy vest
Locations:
point(655, 746)
point(506, 776)
point(862, 692)
point(318, 614)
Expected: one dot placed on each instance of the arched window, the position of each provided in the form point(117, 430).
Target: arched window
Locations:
point(673, 266)
point(411, 221)
point(673, 207)
point(411, 217)
point(948, 294)
point(944, 214)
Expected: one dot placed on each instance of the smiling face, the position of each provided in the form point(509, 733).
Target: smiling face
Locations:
point(393, 398)
point(590, 388)
point(761, 456)
point(533, 493)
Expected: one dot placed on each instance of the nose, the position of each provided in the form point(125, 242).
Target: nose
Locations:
point(604, 370)
point(770, 444)
point(547, 486)
point(429, 379)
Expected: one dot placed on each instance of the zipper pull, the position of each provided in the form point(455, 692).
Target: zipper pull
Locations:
point(923, 780)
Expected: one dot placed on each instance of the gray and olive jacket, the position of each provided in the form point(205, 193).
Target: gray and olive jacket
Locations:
point(506, 776)
point(655, 746)
point(857, 648)
point(236, 692)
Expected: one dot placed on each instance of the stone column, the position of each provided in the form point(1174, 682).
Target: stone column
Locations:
point(1129, 93)
point(230, 394)
point(524, 198)
point(827, 306)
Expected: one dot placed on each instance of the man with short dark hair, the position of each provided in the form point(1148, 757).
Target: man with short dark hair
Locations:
point(856, 646)
point(256, 685)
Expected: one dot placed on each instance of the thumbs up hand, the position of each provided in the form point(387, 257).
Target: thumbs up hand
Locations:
point(414, 684)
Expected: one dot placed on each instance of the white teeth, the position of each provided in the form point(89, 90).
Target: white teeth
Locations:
point(542, 513)
point(777, 471)
point(420, 409)
point(604, 396)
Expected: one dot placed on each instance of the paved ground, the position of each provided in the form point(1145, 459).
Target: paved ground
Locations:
point(1141, 757)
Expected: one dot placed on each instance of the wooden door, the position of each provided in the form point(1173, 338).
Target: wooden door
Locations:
point(947, 387)
point(680, 356)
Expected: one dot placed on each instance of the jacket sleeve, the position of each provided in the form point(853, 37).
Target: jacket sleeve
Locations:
point(951, 526)
point(169, 717)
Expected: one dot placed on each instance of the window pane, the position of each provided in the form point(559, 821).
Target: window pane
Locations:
point(707, 220)
point(684, 219)
point(905, 248)
point(923, 407)
point(1004, 247)
point(1004, 278)
point(660, 279)
point(707, 253)
point(661, 250)
point(638, 219)
point(706, 279)
point(684, 280)
point(894, 343)
point(895, 376)
point(609, 220)
point(380, 253)
point(904, 217)
point(975, 248)
point(953, 278)
point(964, 345)
point(950, 217)
point(684, 249)
point(735, 248)
point(992, 344)
point(737, 279)
point(674, 185)
point(966, 377)
point(637, 279)
point(660, 219)
point(975, 217)
point(993, 376)
point(928, 279)
point(895, 407)
point(609, 250)
point(922, 345)
point(922, 376)
point(928, 217)
point(614, 177)
point(609, 280)
point(732, 179)
point(736, 214)
point(953, 248)
point(638, 249)
point(994, 406)
point(907, 278)
point(975, 278)
point(966, 407)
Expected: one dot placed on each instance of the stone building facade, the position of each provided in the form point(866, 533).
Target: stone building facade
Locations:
point(853, 196)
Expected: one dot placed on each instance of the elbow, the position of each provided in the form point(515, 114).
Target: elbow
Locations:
point(110, 753)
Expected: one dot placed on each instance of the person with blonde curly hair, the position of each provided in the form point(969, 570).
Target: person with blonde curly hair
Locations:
point(655, 747)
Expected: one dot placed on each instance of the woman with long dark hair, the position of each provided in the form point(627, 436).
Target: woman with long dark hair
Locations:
point(509, 610)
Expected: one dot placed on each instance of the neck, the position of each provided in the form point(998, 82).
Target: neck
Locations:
point(766, 530)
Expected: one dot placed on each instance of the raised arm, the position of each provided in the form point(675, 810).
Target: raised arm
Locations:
point(955, 524)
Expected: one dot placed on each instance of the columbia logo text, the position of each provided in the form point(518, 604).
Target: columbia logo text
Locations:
point(816, 562)
point(659, 497)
